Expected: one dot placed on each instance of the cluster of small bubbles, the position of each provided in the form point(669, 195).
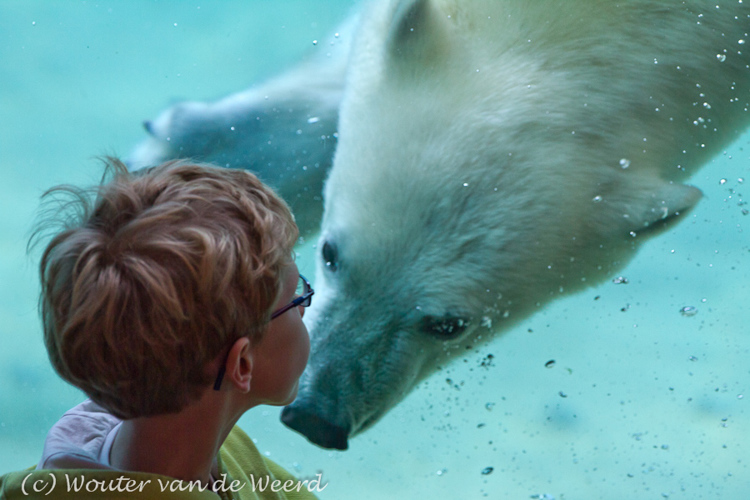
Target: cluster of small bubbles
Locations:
point(633, 234)
point(597, 199)
point(699, 121)
point(620, 280)
point(692, 358)
point(706, 105)
point(487, 361)
point(688, 311)
point(486, 322)
point(721, 57)
point(542, 496)
point(624, 163)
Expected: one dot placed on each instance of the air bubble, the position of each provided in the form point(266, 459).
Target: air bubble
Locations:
point(689, 311)
point(721, 57)
point(597, 199)
point(624, 163)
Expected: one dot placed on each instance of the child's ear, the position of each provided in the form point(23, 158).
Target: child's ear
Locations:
point(240, 364)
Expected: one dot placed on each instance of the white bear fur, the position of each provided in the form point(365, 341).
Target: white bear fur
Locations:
point(494, 155)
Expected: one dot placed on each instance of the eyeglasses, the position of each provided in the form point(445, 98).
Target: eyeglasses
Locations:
point(304, 294)
point(303, 298)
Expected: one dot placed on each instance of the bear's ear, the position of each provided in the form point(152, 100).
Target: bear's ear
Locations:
point(660, 206)
point(418, 29)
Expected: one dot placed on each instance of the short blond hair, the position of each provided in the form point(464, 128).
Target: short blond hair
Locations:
point(155, 275)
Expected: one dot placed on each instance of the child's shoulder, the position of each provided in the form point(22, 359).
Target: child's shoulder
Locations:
point(250, 470)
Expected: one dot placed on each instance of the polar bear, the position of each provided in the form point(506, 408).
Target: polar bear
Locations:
point(493, 155)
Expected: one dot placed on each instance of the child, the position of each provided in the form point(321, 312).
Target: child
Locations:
point(172, 301)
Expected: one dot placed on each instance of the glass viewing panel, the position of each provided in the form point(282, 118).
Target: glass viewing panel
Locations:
point(636, 387)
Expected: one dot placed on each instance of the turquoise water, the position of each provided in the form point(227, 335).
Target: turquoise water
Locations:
point(641, 401)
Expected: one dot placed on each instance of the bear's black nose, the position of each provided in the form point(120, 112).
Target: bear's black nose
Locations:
point(316, 429)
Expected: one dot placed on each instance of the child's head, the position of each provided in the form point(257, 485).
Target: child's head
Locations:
point(153, 279)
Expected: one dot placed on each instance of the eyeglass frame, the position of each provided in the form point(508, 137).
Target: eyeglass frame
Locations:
point(303, 300)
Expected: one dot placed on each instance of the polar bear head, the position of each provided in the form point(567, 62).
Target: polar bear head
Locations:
point(473, 183)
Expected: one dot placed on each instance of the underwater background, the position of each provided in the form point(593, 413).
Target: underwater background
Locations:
point(614, 393)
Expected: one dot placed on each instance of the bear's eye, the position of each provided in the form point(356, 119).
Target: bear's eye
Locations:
point(444, 327)
point(330, 256)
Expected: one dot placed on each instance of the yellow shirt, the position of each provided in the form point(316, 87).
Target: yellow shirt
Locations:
point(244, 474)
